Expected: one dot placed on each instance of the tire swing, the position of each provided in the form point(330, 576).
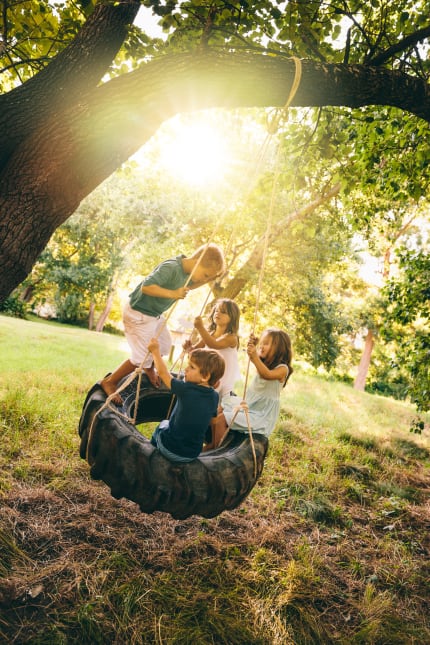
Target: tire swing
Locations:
point(120, 456)
point(125, 460)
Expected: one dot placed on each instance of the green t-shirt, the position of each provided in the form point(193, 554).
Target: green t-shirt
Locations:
point(170, 275)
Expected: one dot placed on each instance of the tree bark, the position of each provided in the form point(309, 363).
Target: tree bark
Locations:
point(105, 313)
point(363, 367)
point(91, 315)
point(69, 76)
point(63, 133)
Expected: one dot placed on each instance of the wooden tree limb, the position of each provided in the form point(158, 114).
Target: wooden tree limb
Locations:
point(252, 266)
point(411, 40)
point(71, 74)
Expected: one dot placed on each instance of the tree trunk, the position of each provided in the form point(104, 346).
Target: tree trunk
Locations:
point(105, 313)
point(363, 368)
point(91, 316)
point(27, 294)
point(63, 132)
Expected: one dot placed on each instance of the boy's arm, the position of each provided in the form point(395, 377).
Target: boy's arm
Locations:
point(160, 366)
point(156, 291)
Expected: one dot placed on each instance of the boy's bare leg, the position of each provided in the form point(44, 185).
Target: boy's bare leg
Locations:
point(152, 375)
point(220, 429)
point(110, 383)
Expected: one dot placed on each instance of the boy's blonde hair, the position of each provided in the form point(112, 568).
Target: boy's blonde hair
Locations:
point(211, 256)
point(209, 361)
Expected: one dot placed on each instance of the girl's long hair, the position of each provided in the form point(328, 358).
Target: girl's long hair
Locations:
point(281, 350)
point(232, 310)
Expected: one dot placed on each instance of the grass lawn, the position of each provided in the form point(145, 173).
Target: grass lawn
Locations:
point(332, 545)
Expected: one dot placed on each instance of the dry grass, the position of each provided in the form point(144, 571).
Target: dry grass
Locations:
point(332, 546)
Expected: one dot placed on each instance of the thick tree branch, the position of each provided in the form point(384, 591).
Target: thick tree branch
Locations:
point(72, 73)
point(127, 110)
point(118, 117)
point(409, 41)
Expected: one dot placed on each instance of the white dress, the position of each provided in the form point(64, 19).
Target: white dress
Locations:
point(264, 404)
point(232, 371)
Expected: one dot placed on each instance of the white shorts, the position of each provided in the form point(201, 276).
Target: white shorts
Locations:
point(139, 329)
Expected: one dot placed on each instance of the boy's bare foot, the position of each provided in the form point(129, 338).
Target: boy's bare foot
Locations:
point(152, 375)
point(109, 388)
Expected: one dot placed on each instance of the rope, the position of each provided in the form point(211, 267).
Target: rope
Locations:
point(273, 127)
point(190, 335)
point(244, 406)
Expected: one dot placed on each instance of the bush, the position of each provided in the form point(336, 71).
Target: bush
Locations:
point(397, 388)
point(14, 306)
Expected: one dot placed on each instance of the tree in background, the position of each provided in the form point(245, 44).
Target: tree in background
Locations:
point(407, 321)
point(67, 125)
point(79, 267)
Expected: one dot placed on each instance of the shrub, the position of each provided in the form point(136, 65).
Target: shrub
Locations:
point(13, 306)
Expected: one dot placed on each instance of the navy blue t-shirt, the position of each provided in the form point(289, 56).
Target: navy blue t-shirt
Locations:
point(194, 408)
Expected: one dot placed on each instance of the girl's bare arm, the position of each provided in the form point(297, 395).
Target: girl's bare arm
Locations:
point(278, 373)
point(226, 340)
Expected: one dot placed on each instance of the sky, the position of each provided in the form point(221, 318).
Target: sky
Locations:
point(148, 22)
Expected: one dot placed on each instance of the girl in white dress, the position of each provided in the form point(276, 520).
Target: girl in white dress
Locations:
point(222, 334)
point(271, 356)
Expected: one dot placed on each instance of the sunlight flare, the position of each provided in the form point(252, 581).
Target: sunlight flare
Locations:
point(196, 154)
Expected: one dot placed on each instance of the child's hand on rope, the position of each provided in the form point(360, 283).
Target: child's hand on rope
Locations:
point(181, 292)
point(153, 345)
point(251, 348)
point(187, 345)
point(198, 322)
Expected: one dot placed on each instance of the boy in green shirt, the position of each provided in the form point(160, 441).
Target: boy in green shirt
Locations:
point(142, 315)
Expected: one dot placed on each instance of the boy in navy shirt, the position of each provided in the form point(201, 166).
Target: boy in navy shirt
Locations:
point(181, 437)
